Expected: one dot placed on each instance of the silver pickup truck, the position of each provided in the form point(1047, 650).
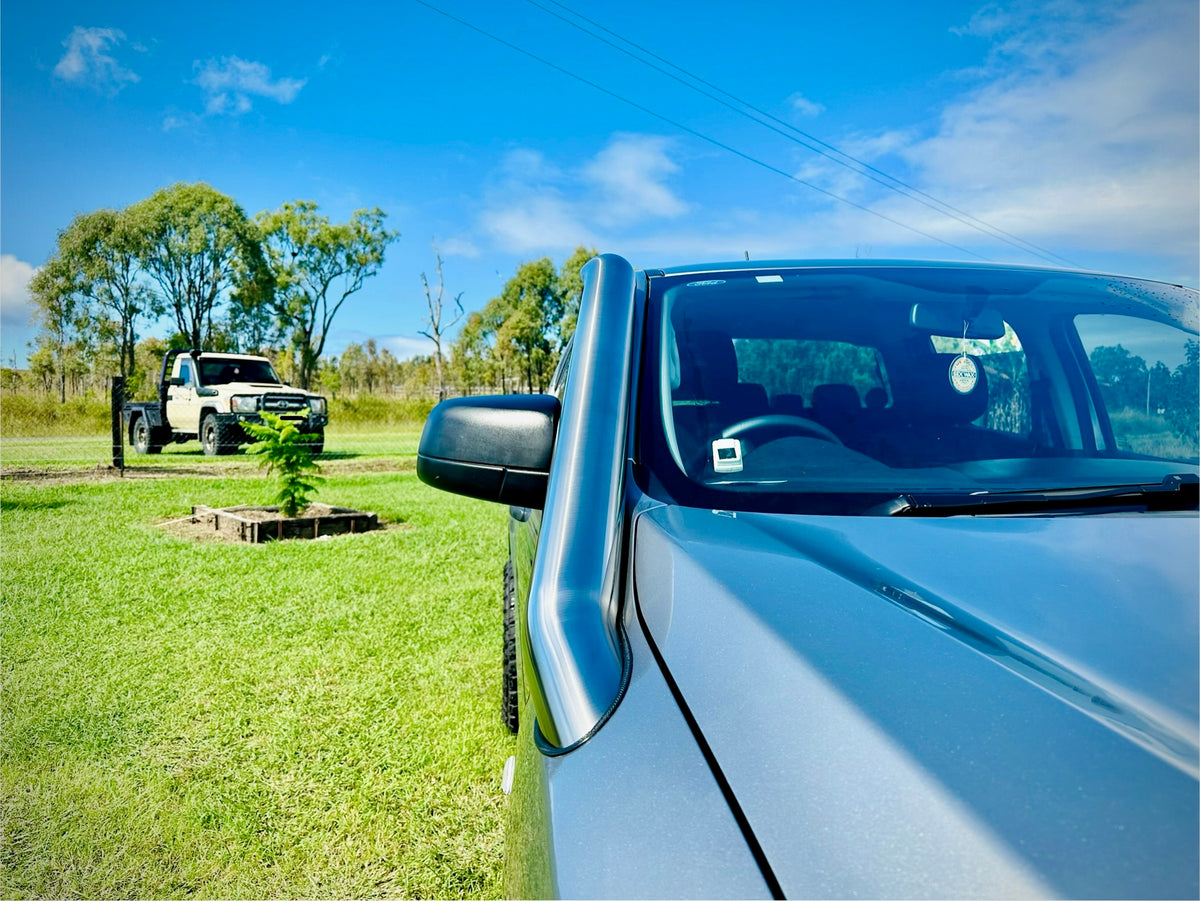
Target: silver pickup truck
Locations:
point(850, 579)
point(209, 395)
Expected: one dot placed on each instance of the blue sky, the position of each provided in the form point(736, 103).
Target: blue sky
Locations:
point(1071, 127)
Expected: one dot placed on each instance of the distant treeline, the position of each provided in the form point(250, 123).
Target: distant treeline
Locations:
point(1128, 383)
point(271, 284)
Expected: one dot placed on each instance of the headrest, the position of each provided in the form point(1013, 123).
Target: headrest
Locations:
point(834, 399)
point(876, 399)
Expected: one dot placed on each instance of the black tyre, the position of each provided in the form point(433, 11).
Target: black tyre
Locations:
point(215, 437)
point(509, 703)
point(142, 437)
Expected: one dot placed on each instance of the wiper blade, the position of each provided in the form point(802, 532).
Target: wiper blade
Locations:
point(1179, 491)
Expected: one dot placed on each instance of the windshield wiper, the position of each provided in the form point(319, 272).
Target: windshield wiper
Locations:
point(1179, 491)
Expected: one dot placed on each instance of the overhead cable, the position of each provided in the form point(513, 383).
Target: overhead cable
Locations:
point(697, 134)
point(796, 135)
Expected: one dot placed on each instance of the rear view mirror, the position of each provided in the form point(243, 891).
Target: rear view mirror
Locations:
point(948, 319)
point(494, 448)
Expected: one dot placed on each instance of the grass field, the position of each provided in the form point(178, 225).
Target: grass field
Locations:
point(218, 720)
point(396, 442)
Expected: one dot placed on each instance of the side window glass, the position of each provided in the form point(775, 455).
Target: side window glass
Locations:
point(1003, 362)
point(186, 373)
point(1147, 373)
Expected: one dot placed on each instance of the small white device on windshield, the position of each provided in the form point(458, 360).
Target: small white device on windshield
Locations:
point(727, 455)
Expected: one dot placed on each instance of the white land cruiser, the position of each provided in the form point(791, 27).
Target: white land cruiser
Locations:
point(209, 395)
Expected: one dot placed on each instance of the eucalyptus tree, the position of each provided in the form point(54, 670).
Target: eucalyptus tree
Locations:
point(471, 353)
point(62, 312)
point(570, 290)
point(199, 247)
point(525, 328)
point(528, 311)
point(317, 264)
point(102, 249)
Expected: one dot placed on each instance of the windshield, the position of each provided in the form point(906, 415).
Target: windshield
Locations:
point(224, 372)
point(796, 388)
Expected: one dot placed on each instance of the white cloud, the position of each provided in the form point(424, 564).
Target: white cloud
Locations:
point(459, 247)
point(1084, 135)
point(536, 223)
point(405, 347)
point(540, 207)
point(805, 107)
point(230, 83)
point(1080, 134)
point(628, 179)
point(87, 61)
point(16, 308)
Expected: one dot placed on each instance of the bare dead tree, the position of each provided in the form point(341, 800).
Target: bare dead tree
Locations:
point(437, 329)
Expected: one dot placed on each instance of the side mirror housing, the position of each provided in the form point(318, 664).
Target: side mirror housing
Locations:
point(495, 448)
point(176, 382)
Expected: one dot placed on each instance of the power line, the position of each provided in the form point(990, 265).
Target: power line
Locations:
point(801, 137)
point(689, 130)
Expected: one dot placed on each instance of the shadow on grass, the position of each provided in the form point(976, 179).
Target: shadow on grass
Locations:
point(21, 505)
point(250, 458)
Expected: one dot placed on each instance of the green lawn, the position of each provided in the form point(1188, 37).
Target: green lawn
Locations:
point(65, 452)
point(300, 719)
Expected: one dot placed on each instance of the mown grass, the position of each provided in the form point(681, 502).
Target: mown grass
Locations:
point(394, 442)
point(297, 719)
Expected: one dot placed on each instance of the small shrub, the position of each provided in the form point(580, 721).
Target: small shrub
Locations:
point(286, 450)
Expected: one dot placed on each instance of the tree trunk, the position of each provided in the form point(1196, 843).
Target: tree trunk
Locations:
point(437, 365)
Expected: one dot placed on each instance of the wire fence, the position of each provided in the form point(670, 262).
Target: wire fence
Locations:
point(89, 432)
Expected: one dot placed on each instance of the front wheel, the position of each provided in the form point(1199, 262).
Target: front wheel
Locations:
point(509, 712)
point(214, 437)
point(317, 445)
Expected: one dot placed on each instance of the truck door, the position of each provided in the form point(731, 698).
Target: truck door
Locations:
point(183, 404)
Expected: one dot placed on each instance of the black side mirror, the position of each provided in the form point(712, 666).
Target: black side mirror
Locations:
point(495, 448)
point(176, 382)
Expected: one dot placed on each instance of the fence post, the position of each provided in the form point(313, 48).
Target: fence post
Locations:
point(118, 401)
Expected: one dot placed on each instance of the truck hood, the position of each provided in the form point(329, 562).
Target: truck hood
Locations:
point(262, 388)
point(968, 707)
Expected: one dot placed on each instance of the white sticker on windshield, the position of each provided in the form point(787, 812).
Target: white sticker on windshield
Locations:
point(768, 279)
point(964, 374)
point(727, 455)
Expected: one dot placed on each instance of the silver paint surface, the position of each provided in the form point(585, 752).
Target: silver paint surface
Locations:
point(633, 813)
point(977, 707)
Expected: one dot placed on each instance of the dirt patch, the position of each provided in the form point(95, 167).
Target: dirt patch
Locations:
point(225, 469)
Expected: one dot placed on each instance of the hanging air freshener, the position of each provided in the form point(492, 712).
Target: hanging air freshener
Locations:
point(964, 374)
point(964, 371)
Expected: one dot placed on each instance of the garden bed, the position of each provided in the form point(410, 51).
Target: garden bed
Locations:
point(259, 524)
